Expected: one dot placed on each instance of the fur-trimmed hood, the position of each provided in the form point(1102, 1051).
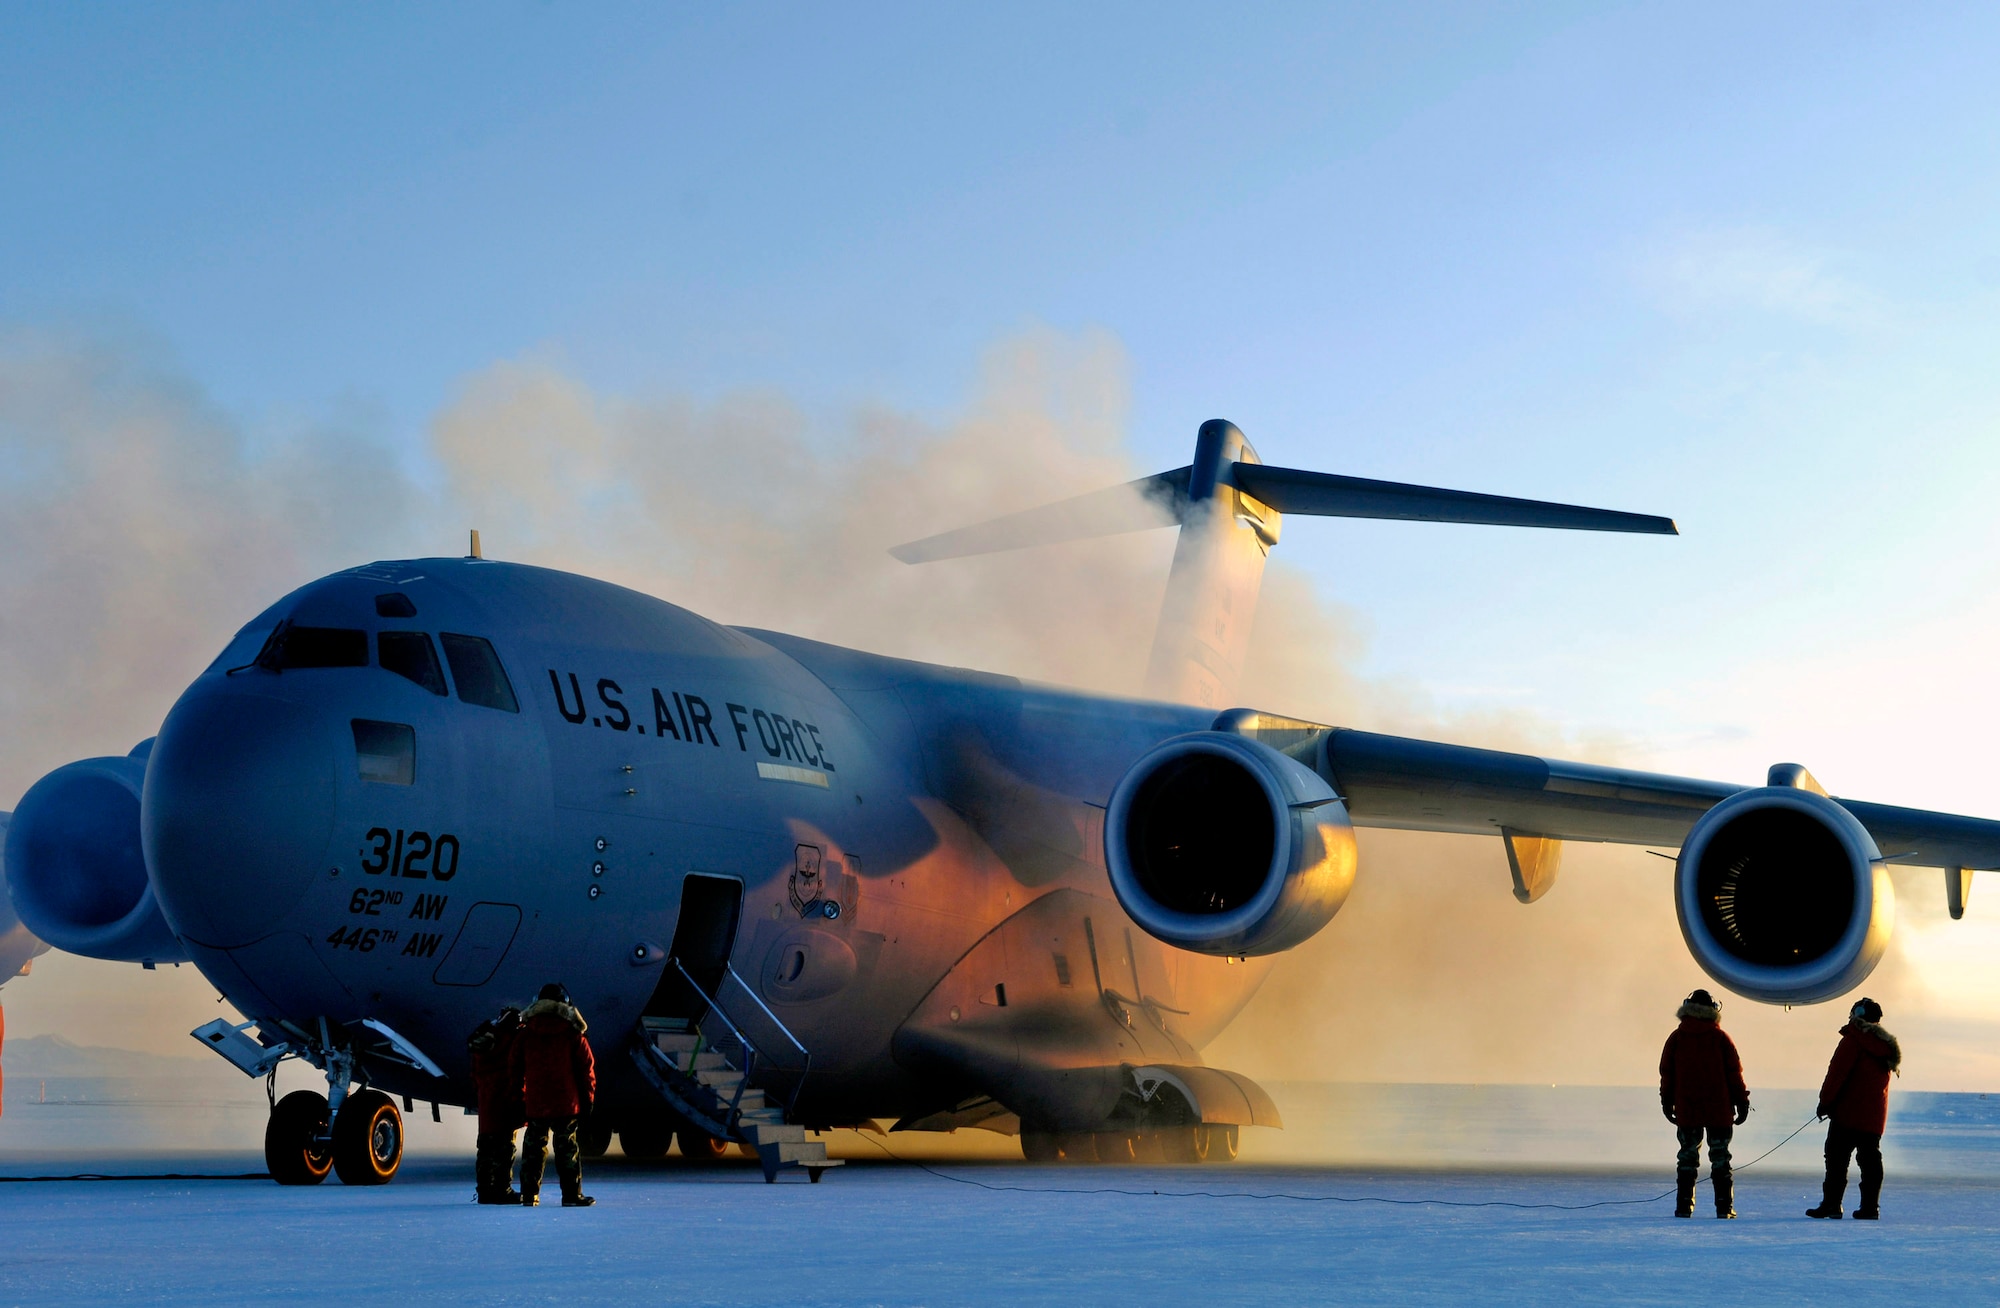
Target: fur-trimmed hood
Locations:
point(555, 1008)
point(1886, 1047)
point(1693, 1012)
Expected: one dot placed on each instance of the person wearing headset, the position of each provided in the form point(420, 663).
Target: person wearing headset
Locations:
point(1854, 1102)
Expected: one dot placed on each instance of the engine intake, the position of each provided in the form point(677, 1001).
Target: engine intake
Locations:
point(1222, 845)
point(74, 866)
point(1782, 896)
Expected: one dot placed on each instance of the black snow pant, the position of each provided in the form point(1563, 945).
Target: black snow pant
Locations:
point(1689, 1158)
point(1866, 1147)
point(494, 1169)
point(543, 1131)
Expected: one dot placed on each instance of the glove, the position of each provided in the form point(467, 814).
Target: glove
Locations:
point(1742, 1113)
point(1668, 1110)
point(1822, 1113)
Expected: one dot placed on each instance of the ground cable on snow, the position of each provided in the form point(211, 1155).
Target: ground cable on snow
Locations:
point(1320, 1198)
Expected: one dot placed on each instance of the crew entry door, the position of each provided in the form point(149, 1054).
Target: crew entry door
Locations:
point(703, 938)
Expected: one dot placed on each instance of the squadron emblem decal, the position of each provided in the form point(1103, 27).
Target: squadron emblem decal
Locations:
point(809, 884)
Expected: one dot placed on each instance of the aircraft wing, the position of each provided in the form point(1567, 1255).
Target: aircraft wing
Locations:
point(1419, 785)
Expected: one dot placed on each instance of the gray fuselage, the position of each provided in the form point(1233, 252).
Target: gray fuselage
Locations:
point(884, 819)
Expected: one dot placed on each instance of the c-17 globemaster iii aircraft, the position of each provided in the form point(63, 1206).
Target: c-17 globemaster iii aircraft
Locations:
point(798, 887)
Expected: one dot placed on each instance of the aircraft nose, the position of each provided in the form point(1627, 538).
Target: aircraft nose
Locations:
point(237, 813)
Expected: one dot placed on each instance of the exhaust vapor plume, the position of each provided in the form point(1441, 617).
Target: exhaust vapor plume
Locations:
point(142, 526)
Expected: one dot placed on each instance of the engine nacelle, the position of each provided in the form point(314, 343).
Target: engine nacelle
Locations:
point(1222, 845)
point(18, 946)
point(75, 869)
point(1782, 896)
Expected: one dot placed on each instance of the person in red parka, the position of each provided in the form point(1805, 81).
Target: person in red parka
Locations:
point(553, 1066)
point(1702, 1091)
point(501, 1113)
point(1855, 1097)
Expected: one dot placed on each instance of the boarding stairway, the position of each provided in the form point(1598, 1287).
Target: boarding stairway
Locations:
point(703, 1068)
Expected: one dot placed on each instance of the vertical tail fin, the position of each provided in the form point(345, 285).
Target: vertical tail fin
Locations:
point(1229, 505)
point(1204, 632)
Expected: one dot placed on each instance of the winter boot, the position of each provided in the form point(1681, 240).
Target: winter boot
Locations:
point(1830, 1193)
point(1870, 1210)
point(532, 1164)
point(1725, 1195)
point(572, 1191)
point(1684, 1193)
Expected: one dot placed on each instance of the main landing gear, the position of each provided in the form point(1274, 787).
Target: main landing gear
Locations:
point(1202, 1142)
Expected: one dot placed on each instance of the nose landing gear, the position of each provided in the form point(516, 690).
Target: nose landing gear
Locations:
point(357, 1133)
point(368, 1139)
point(297, 1145)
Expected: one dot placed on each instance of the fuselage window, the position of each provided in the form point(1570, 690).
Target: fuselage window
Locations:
point(476, 670)
point(395, 605)
point(385, 751)
point(410, 654)
point(315, 647)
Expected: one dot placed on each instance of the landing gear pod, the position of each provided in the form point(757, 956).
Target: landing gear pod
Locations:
point(75, 868)
point(1782, 896)
point(1221, 845)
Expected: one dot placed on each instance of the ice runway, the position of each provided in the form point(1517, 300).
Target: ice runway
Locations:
point(893, 1234)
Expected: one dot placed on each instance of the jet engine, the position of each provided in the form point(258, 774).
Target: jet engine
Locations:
point(1219, 844)
point(74, 865)
point(1783, 897)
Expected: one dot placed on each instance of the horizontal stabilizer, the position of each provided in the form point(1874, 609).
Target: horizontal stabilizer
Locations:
point(1329, 495)
point(1140, 505)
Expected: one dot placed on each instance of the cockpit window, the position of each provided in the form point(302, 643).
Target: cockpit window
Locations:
point(410, 654)
point(395, 604)
point(294, 646)
point(385, 751)
point(476, 670)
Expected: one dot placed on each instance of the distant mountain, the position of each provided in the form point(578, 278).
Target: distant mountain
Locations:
point(51, 1055)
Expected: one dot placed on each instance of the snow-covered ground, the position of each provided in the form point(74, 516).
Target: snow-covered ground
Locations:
point(889, 1233)
point(882, 1231)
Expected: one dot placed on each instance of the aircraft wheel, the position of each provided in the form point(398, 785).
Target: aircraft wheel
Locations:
point(701, 1147)
point(1178, 1144)
point(367, 1139)
point(1117, 1146)
point(645, 1142)
point(295, 1151)
point(593, 1136)
point(1077, 1146)
point(1216, 1142)
point(1041, 1147)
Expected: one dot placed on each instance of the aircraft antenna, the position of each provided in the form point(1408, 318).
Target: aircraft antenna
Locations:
point(475, 554)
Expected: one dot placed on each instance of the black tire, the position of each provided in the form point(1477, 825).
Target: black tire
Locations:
point(593, 1136)
point(295, 1148)
point(1216, 1142)
point(700, 1147)
point(1040, 1147)
point(1077, 1146)
point(645, 1142)
point(367, 1139)
point(1117, 1147)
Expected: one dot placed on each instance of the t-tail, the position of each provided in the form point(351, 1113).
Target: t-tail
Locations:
point(1229, 505)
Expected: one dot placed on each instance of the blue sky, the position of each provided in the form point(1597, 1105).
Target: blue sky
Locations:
point(1737, 264)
